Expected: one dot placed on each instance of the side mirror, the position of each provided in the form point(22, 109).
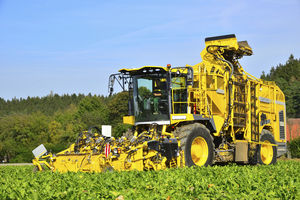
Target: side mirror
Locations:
point(190, 76)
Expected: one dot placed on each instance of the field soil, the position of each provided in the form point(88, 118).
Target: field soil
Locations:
point(15, 164)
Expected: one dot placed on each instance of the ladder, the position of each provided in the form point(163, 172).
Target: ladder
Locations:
point(239, 102)
point(254, 115)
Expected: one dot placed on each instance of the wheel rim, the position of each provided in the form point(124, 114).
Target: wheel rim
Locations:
point(266, 153)
point(199, 151)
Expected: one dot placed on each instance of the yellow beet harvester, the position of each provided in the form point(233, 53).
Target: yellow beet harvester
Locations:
point(211, 112)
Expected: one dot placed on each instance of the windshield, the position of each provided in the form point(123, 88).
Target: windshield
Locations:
point(151, 98)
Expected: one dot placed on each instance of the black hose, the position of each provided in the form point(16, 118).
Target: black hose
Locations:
point(95, 127)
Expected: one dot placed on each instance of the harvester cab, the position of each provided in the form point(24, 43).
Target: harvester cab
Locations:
point(155, 92)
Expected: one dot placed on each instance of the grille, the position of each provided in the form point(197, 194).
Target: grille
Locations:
point(281, 118)
point(281, 125)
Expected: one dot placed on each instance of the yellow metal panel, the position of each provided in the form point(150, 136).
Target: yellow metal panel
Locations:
point(129, 120)
point(219, 121)
point(218, 102)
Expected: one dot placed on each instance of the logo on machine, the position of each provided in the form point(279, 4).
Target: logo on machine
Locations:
point(179, 117)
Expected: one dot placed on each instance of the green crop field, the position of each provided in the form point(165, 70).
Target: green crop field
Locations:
point(280, 181)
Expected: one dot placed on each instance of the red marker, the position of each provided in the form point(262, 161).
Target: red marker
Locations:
point(107, 150)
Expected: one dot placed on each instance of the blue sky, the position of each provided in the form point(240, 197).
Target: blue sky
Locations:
point(73, 46)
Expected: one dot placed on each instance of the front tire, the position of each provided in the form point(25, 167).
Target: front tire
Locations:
point(266, 154)
point(197, 144)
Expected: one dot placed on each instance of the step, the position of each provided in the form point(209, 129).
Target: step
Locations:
point(239, 104)
point(238, 83)
point(239, 125)
point(240, 114)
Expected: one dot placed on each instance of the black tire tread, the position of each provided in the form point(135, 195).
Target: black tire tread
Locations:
point(183, 132)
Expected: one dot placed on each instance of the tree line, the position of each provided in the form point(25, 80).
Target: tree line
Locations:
point(55, 121)
point(287, 77)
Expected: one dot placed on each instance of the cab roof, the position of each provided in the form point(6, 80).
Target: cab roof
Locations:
point(144, 69)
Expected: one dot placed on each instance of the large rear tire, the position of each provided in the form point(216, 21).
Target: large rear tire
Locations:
point(197, 143)
point(267, 154)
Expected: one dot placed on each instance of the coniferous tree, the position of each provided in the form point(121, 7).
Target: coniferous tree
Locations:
point(287, 77)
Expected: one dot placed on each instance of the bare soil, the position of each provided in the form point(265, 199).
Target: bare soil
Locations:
point(15, 164)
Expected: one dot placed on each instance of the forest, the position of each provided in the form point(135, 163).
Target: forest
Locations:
point(56, 120)
point(287, 77)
